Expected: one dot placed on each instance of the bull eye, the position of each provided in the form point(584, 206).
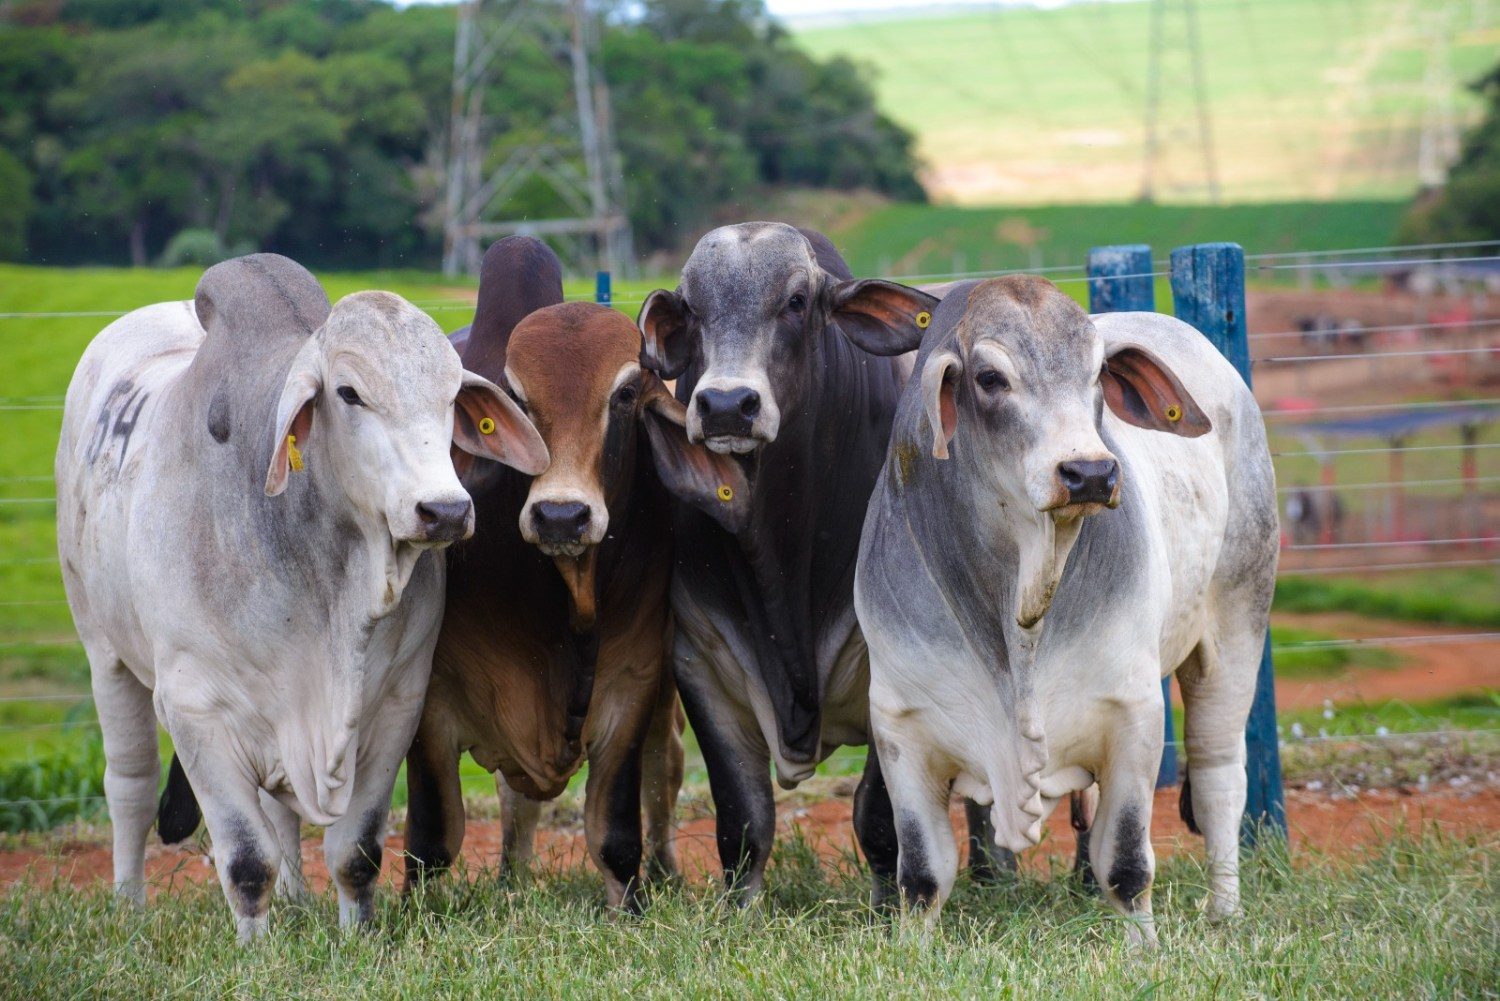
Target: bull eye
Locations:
point(991, 381)
point(797, 303)
point(349, 396)
point(626, 396)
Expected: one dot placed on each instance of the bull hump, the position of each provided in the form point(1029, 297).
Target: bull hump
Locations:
point(259, 300)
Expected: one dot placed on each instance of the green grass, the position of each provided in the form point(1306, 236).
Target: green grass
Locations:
point(1418, 918)
point(1295, 661)
point(1465, 596)
point(1310, 99)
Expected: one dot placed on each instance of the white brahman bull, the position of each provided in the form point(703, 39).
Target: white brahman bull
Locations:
point(1070, 509)
point(250, 487)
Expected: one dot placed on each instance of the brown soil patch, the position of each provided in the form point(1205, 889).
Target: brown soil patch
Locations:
point(1344, 826)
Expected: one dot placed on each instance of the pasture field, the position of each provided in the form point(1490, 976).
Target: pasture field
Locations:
point(1416, 916)
point(936, 241)
point(1028, 105)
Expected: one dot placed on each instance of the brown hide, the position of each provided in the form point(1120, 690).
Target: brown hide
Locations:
point(510, 666)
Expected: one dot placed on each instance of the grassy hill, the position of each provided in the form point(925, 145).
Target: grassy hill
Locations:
point(1308, 98)
point(881, 238)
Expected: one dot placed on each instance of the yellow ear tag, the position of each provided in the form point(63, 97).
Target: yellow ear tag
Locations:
point(486, 425)
point(725, 493)
point(293, 456)
point(924, 318)
point(1174, 413)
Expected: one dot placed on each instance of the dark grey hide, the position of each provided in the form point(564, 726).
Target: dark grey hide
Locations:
point(780, 590)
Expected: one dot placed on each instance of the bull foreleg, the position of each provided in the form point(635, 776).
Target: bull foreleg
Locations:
point(612, 817)
point(928, 859)
point(1120, 838)
point(245, 846)
point(739, 777)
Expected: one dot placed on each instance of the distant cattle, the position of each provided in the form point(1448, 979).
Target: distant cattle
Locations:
point(250, 486)
point(768, 655)
point(1070, 509)
point(554, 642)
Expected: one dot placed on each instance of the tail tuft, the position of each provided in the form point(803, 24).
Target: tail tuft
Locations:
point(1185, 805)
point(177, 815)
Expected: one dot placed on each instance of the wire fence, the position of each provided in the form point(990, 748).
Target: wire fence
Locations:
point(1430, 339)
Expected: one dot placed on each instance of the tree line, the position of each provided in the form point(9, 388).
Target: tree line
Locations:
point(168, 131)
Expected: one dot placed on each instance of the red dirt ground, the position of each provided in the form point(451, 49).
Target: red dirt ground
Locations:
point(1318, 821)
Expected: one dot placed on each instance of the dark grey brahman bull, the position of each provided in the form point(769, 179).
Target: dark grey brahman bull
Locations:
point(250, 487)
point(768, 655)
point(1070, 509)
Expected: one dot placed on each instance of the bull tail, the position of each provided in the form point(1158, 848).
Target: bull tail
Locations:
point(177, 814)
point(1185, 804)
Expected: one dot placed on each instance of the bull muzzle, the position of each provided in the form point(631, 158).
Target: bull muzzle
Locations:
point(1090, 481)
point(727, 413)
point(561, 527)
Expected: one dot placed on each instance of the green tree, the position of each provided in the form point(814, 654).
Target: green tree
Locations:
point(1467, 207)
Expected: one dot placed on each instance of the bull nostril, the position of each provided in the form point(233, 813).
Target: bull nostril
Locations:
point(750, 403)
point(704, 406)
point(1070, 475)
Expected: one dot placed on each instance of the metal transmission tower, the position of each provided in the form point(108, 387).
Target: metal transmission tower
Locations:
point(1158, 138)
point(575, 158)
point(1438, 145)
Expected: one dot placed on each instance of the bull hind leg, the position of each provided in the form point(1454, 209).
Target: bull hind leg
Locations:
point(132, 765)
point(989, 864)
point(662, 772)
point(519, 817)
point(875, 827)
point(288, 827)
point(1082, 806)
point(1218, 685)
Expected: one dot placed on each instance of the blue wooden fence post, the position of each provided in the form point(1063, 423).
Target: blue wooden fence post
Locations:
point(1120, 281)
point(1208, 291)
point(601, 288)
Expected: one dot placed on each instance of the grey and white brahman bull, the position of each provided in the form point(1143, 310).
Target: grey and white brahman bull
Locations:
point(768, 655)
point(250, 486)
point(1071, 508)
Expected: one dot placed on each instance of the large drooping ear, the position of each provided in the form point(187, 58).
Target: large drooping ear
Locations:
point(714, 484)
point(294, 417)
point(487, 423)
point(664, 324)
point(881, 317)
point(939, 382)
point(1140, 390)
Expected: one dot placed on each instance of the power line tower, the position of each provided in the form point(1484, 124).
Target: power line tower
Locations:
point(1159, 77)
point(1437, 146)
point(575, 157)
